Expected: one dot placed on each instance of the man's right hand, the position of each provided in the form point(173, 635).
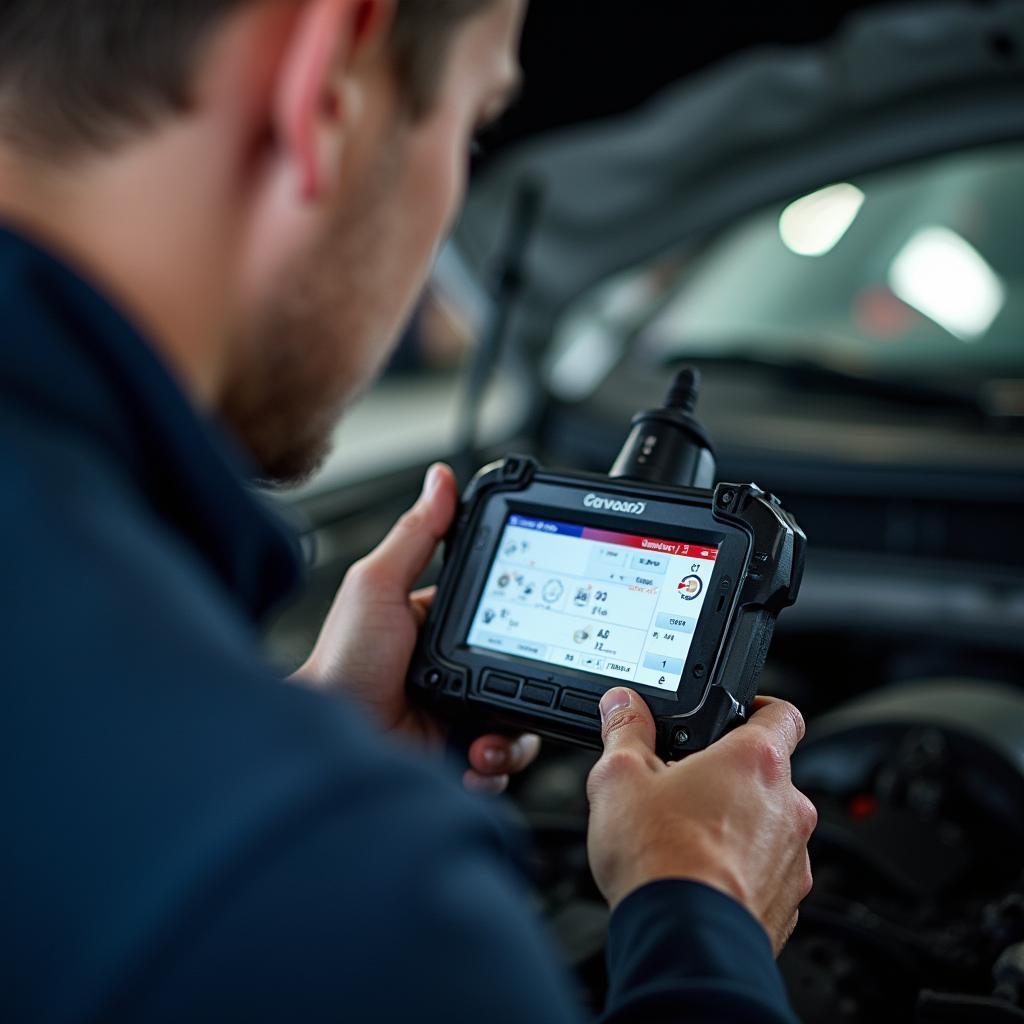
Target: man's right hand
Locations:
point(728, 816)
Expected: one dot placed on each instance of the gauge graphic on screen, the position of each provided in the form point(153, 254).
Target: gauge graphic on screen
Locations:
point(690, 587)
point(553, 590)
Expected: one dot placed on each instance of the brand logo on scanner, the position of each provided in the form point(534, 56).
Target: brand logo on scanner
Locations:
point(633, 508)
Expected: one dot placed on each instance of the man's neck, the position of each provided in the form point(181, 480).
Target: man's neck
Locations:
point(147, 239)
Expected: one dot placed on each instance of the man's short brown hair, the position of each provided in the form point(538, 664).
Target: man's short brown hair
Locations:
point(78, 74)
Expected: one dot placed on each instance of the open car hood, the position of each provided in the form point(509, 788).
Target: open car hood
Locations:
point(894, 85)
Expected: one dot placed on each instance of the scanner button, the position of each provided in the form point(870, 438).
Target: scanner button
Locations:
point(676, 623)
point(580, 705)
point(668, 666)
point(504, 686)
point(534, 694)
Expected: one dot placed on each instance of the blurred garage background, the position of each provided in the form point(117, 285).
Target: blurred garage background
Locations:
point(821, 207)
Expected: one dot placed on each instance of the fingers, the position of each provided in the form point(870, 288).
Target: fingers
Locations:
point(420, 603)
point(503, 755)
point(807, 879)
point(488, 785)
point(626, 721)
point(627, 729)
point(779, 941)
point(399, 560)
point(800, 889)
point(780, 719)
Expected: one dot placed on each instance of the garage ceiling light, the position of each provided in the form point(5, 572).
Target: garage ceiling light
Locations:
point(943, 276)
point(813, 225)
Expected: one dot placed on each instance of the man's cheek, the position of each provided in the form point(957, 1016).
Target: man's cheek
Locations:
point(440, 183)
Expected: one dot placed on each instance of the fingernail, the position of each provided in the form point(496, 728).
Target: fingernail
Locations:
point(487, 784)
point(432, 480)
point(614, 700)
point(495, 757)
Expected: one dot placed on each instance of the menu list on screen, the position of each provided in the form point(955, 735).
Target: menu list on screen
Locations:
point(613, 604)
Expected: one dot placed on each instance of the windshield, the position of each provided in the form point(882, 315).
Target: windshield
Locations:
point(915, 273)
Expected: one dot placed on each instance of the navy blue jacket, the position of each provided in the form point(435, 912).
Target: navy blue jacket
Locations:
point(187, 838)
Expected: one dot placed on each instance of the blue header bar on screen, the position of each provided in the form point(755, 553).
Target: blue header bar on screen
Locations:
point(546, 526)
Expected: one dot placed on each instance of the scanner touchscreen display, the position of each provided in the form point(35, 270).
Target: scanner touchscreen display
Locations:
point(620, 605)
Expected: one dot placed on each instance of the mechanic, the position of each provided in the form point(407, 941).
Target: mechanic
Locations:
point(218, 215)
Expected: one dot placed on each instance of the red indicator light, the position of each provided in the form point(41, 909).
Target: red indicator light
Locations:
point(863, 805)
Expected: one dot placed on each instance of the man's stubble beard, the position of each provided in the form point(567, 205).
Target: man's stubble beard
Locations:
point(320, 339)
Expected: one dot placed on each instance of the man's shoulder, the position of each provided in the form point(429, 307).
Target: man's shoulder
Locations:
point(125, 656)
point(151, 756)
point(88, 560)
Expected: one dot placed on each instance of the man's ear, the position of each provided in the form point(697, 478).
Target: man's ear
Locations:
point(328, 39)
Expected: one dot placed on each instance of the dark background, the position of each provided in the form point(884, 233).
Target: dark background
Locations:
point(587, 59)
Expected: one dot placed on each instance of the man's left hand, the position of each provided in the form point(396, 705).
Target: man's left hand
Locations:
point(366, 643)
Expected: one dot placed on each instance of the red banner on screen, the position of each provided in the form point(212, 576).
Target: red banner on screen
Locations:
point(653, 544)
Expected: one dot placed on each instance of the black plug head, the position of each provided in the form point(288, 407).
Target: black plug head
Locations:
point(685, 390)
point(669, 445)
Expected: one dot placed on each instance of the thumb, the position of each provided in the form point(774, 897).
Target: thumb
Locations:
point(400, 559)
point(627, 722)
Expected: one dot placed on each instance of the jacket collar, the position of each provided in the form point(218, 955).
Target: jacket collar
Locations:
point(66, 354)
